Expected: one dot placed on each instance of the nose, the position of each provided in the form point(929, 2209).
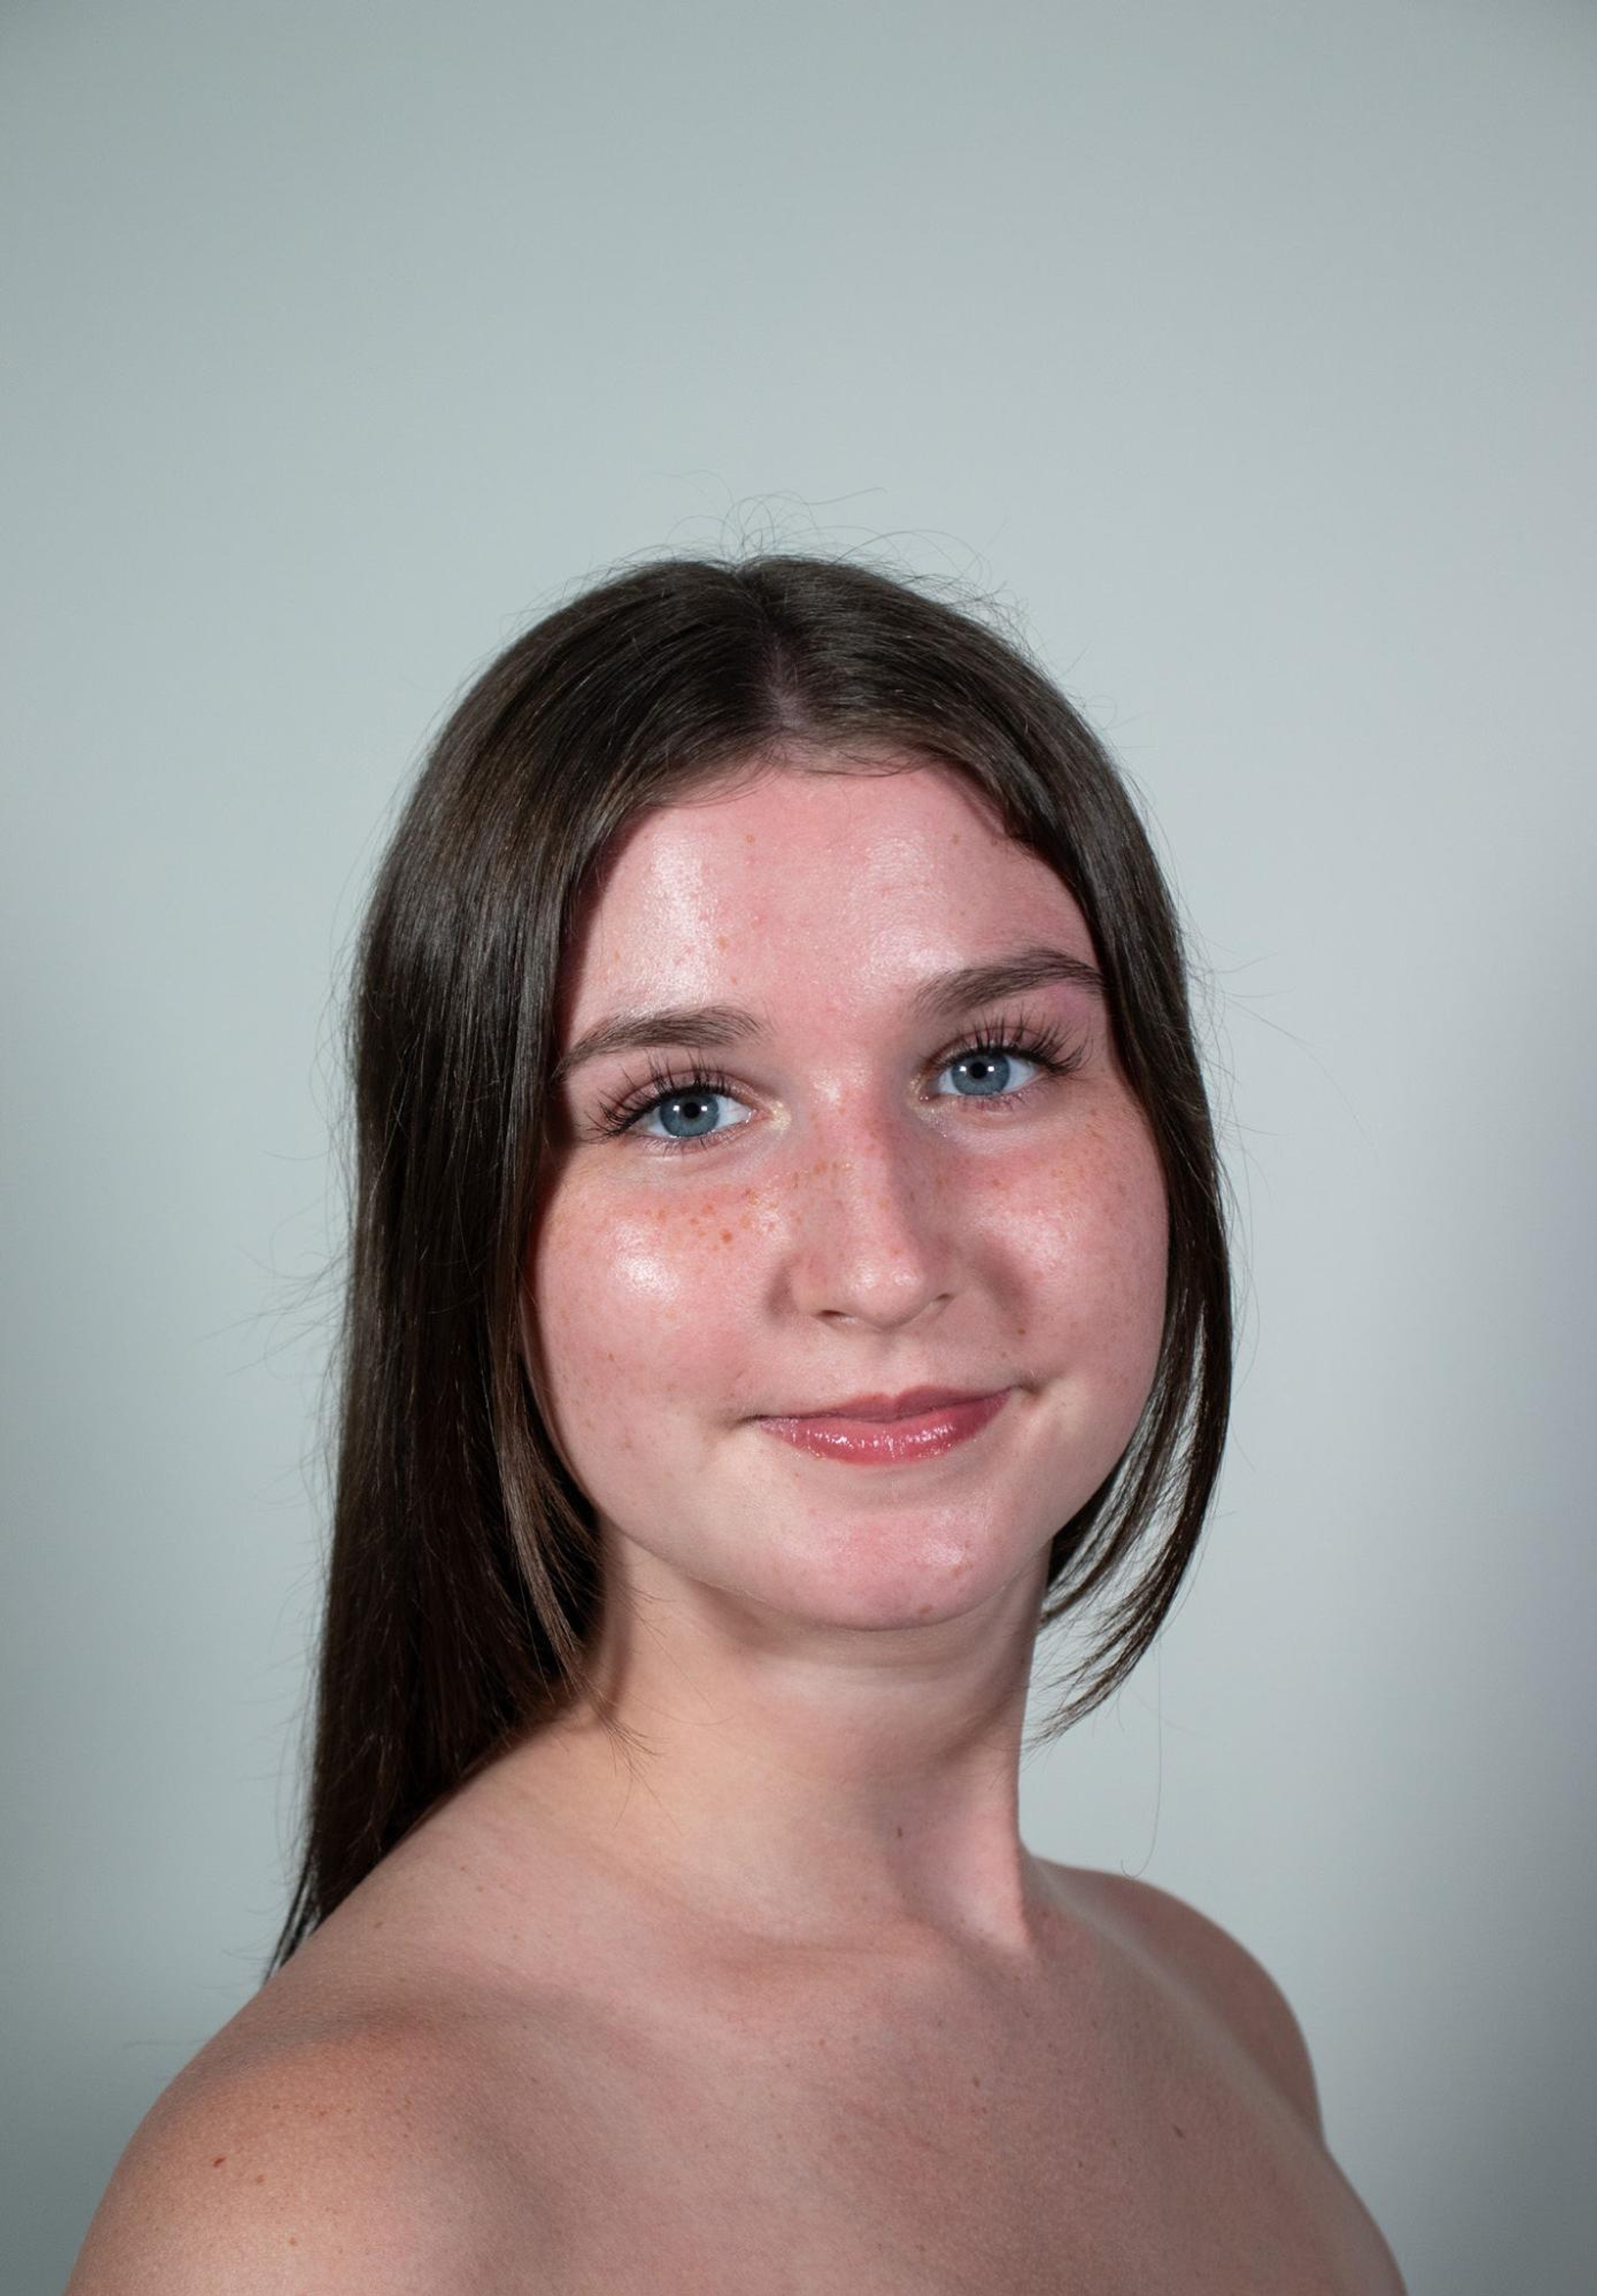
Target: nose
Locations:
point(875, 1231)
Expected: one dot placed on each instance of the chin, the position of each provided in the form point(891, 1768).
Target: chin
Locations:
point(877, 1583)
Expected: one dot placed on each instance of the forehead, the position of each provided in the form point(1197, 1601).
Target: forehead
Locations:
point(803, 881)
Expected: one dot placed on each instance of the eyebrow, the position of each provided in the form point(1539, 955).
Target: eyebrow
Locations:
point(710, 1028)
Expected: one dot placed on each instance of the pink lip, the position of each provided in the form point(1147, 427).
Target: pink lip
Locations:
point(889, 1406)
point(890, 1436)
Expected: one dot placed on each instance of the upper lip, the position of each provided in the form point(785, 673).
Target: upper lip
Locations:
point(889, 1406)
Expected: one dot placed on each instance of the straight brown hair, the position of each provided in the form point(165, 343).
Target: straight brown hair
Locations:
point(462, 1588)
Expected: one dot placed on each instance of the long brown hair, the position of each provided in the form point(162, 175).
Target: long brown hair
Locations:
point(462, 1588)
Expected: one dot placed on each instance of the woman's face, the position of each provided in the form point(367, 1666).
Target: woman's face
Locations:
point(862, 1200)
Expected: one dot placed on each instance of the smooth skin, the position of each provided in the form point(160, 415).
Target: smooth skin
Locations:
point(759, 1988)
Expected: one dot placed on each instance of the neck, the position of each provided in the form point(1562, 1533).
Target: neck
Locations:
point(801, 1784)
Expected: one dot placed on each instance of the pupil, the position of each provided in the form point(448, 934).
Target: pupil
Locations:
point(994, 1062)
point(702, 1101)
point(988, 1071)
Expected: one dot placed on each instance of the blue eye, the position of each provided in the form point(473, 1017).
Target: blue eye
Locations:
point(991, 1070)
point(698, 1100)
point(685, 1103)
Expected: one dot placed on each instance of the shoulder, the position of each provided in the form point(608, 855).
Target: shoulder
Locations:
point(1217, 1971)
point(337, 2153)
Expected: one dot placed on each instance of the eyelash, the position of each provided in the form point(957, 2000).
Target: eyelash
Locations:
point(1044, 1045)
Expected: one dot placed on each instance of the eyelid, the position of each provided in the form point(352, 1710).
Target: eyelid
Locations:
point(1040, 1040)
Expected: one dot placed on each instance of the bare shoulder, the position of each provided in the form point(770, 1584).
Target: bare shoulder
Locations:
point(1213, 1967)
point(301, 2149)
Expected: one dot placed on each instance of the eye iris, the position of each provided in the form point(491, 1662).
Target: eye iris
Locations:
point(989, 1070)
point(702, 1101)
point(997, 1065)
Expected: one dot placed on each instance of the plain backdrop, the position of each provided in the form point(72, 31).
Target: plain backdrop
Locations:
point(1244, 353)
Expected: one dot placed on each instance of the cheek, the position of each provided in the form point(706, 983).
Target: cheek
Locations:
point(1095, 1238)
point(632, 1301)
point(653, 1303)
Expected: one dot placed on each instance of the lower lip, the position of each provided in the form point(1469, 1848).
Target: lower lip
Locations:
point(890, 1442)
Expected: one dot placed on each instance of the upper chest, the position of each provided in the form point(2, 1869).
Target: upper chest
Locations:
point(876, 2137)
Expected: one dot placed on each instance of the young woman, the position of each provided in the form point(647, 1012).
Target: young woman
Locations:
point(788, 1272)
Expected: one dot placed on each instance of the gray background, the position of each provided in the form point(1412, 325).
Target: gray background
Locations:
point(1245, 350)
